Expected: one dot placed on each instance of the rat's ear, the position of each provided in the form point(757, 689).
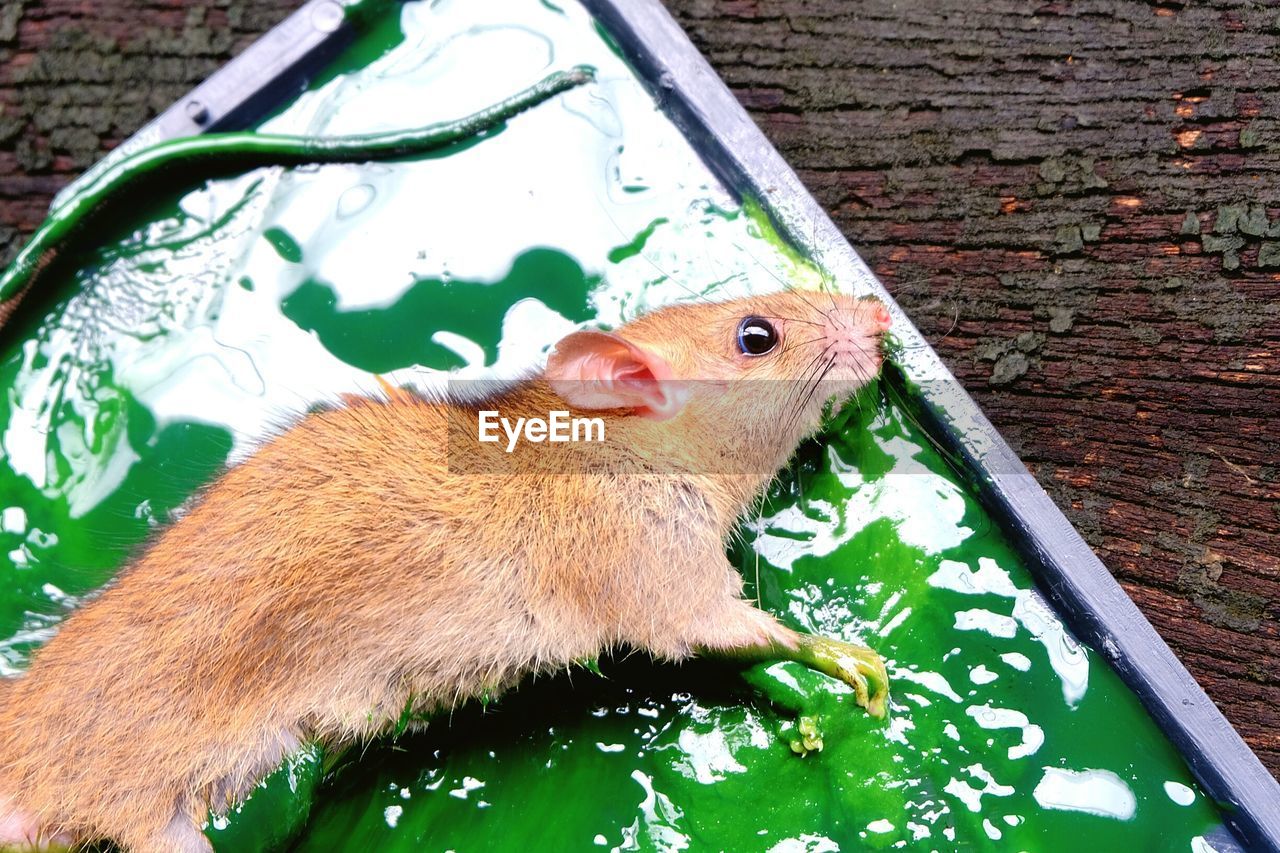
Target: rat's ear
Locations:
point(597, 370)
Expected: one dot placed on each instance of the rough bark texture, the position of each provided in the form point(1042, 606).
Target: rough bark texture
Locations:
point(1092, 188)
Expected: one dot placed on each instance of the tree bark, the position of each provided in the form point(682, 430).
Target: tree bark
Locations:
point(1077, 202)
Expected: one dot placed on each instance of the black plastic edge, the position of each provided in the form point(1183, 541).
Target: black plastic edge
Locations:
point(688, 89)
point(275, 67)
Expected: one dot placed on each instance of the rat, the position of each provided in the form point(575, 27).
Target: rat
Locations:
point(376, 557)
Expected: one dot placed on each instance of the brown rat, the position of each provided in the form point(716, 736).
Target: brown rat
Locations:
point(369, 560)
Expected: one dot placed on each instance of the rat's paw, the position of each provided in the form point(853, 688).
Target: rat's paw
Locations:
point(802, 732)
point(804, 735)
point(859, 667)
point(20, 832)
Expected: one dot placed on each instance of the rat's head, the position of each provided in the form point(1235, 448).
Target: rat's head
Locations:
point(763, 367)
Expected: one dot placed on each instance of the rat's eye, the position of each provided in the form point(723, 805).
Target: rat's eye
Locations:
point(756, 336)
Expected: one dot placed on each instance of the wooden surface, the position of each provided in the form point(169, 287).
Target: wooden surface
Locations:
point(1078, 202)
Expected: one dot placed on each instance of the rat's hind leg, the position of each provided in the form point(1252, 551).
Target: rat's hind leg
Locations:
point(240, 771)
point(742, 632)
point(181, 835)
point(20, 830)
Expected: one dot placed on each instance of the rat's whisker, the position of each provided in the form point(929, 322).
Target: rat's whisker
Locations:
point(788, 319)
point(813, 389)
point(785, 285)
point(827, 282)
point(808, 387)
point(809, 370)
point(799, 292)
point(702, 297)
point(901, 407)
point(801, 344)
point(797, 388)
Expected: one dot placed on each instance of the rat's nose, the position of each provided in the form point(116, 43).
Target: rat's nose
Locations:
point(854, 330)
point(878, 314)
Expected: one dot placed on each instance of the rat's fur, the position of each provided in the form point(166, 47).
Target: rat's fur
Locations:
point(344, 572)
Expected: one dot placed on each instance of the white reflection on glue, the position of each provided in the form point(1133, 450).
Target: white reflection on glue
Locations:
point(1066, 656)
point(971, 796)
point(1006, 718)
point(816, 528)
point(1096, 792)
